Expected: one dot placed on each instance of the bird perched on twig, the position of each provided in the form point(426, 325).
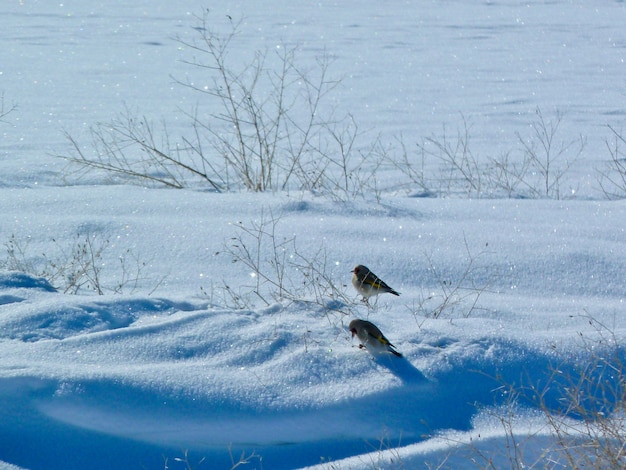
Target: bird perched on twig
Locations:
point(368, 284)
point(371, 337)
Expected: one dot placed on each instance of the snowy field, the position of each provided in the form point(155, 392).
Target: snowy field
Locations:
point(148, 327)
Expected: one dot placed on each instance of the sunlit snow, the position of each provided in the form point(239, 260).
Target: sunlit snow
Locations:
point(192, 357)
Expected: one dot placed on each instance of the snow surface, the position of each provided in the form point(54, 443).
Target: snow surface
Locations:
point(135, 379)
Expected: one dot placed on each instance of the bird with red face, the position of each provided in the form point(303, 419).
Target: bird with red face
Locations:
point(371, 337)
point(369, 284)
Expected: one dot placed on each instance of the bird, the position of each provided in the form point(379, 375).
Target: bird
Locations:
point(368, 284)
point(371, 337)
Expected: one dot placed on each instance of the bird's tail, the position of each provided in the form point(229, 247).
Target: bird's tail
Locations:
point(393, 351)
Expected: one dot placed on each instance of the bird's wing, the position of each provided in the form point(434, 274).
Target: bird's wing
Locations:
point(380, 338)
point(375, 282)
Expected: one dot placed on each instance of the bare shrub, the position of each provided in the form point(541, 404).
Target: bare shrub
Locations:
point(447, 165)
point(506, 174)
point(274, 129)
point(267, 128)
point(280, 270)
point(79, 267)
point(612, 178)
point(16, 256)
point(458, 293)
point(582, 399)
point(414, 168)
point(270, 117)
point(460, 169)
point(186, 462)
point(583, 402)
point(590, 422)
point(128, 148)
point(268, 125)
point(76, 268)
point(548, 159)
point(244, 458)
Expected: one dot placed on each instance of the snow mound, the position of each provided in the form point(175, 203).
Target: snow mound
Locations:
point(145, 377)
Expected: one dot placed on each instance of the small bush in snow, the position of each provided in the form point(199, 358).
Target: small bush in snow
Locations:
point(279, 269)
point(612, 178)
point(266, 127)
point(75, 268)
point(583, 405)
